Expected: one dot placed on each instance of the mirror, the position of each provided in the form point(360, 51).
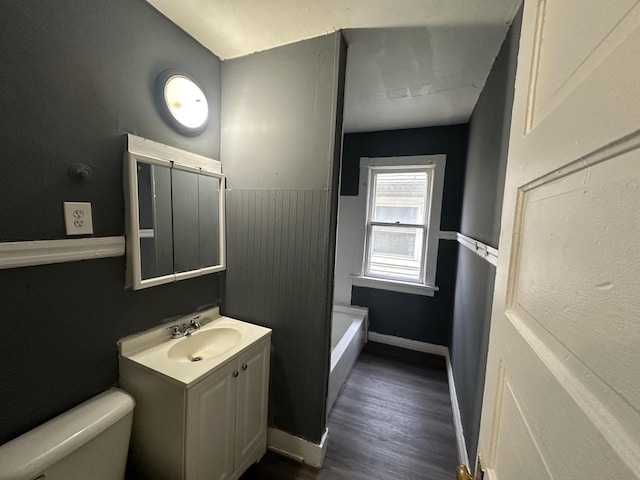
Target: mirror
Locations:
point(186, 212)
point(174, 214)
point(155, 220)
point(209, 221)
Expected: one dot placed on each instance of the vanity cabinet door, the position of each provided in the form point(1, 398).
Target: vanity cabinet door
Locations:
point(210, 428)
point(252, 401)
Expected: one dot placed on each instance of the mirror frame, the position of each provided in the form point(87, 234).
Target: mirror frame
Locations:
point(147, 151)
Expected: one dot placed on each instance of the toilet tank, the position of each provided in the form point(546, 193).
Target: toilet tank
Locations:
point(89, 441)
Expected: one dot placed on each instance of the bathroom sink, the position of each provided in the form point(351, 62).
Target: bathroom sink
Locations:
point(188, 359)
point(205, 344)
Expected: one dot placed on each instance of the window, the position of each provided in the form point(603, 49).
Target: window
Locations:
point(397, 223)
point(401, 199)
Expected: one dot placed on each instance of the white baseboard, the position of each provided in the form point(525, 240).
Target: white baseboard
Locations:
point(408, 344)
point(463, 456)
point(297, 448)
point(441, 350)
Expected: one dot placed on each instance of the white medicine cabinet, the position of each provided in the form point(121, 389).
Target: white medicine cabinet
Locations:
point(174, 214)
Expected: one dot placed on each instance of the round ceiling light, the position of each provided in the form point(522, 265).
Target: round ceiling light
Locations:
point(185, 103)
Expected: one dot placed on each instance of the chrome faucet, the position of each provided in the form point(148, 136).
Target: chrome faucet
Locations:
point(184, 330)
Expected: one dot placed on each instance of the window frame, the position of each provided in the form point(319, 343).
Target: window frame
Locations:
point(435, 165)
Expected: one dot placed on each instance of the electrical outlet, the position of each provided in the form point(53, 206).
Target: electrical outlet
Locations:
point(77, 218)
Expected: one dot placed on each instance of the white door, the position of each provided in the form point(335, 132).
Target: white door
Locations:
point(562, 393)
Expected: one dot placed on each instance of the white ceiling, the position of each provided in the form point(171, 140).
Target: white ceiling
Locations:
point(411, 63)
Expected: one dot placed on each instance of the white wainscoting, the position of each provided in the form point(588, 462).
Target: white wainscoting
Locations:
point(43, 252)
point(490, 254)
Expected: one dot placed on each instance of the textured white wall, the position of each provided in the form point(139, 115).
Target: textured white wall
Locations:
point(347, 239)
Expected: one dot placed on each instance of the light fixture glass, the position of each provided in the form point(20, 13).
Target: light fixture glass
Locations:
point(186, 103)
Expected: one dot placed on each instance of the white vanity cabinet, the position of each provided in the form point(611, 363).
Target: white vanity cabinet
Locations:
point(226, 420)
point(211, 430)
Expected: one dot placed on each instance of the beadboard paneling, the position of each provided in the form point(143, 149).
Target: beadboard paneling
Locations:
point(277, 277)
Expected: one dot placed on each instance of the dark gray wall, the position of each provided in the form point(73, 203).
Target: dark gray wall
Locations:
point(281, 111)
point(75, 77)
point(427, 319)
point(482, 205)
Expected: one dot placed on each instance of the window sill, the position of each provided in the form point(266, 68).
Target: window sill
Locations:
point(394, 285)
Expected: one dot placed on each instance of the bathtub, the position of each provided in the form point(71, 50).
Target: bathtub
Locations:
point(348, 336)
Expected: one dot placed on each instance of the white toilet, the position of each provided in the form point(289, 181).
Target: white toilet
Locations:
point(89, 441)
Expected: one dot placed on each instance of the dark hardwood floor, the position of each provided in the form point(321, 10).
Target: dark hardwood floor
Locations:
point(392, 421)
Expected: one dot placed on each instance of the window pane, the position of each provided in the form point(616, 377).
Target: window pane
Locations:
point(395, 252)
point(400, 197)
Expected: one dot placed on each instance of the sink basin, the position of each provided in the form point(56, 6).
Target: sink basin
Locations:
point(188, 360)
point(204, 345)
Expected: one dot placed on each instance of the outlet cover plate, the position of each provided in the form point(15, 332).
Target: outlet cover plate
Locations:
point(77, 218)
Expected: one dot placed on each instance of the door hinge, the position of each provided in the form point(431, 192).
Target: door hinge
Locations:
point(479, 469)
